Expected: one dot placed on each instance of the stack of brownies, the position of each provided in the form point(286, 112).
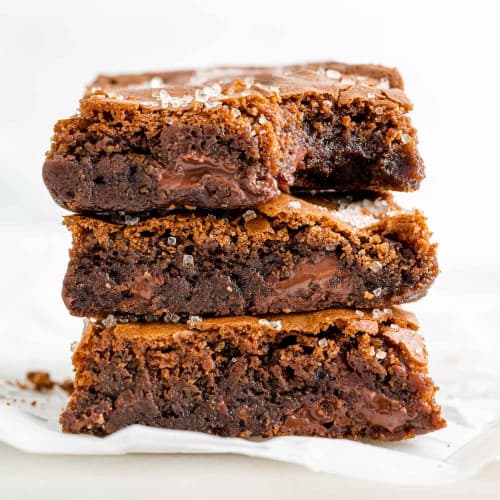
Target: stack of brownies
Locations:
point(239, 257)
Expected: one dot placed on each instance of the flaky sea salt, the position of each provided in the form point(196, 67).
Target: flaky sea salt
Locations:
point(148, 102)
point(375, 266)
point(405, 138)
point(381, 355)
point(332, 73)
point(402, 211)
point(212, 103)
point(169, 101)
point(171, 318)
point(172, 241)
point(378, 313)
point(360, 214)
point(276, 325)
point(323, 342)
point(271, 89)
point(249, 215)
point(131, 221)
point(249, 82)
point(156, 82)
point(262, 119)
point(109, 321)
point(383, 84)
point(194, 321)
point(347, 81)
point(187, 260)
point(209, 96)
point(359, 313)
point(377, 292)
point(353, 216)
point(294, 204)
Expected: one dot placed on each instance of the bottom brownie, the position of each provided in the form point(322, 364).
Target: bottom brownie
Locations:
point(335, 373)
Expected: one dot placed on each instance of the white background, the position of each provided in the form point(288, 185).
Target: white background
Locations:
point(448, 53)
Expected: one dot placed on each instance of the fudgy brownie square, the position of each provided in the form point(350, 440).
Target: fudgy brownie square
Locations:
point(233, 137)
point(336, 373)
point(287, 255)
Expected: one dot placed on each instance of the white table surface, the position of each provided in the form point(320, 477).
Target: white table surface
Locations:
point(25, 476)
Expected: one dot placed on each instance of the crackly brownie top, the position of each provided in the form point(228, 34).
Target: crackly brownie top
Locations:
point(347, 212)
point(393, 323)
point(354, 211)
point(210, 88)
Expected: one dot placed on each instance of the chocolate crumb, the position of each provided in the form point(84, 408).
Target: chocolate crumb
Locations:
point(42, 382)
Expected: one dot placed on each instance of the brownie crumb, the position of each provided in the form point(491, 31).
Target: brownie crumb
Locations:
point(42, 382)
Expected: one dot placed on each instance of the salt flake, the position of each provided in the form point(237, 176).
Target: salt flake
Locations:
point(275, 325)
point(332, 73)
point(187, 260)
point(194, 322)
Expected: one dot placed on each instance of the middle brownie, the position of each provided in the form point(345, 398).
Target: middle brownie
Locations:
point(289, 255)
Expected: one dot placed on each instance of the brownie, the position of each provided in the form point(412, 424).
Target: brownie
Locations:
point(233, 137)
point(335, 373)
point(287, 255)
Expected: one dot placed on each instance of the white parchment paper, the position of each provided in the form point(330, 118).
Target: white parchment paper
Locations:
point(458, 320)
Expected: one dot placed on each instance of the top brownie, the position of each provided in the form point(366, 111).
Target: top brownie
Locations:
point(233, 137)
